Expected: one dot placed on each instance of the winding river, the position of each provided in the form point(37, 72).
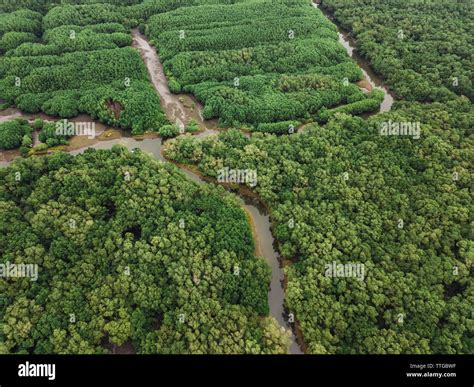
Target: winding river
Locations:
point(371, 79)
point(180, 109)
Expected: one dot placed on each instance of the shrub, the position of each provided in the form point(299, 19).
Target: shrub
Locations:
point(12, 133)
point(38, 124)
point(24, 150)
point(192, 127)
point(48, 135)
point(168, 131)
point(40, 147)
point(283, 127)
point(13, 39)
point(174, 85)
point(26, 141)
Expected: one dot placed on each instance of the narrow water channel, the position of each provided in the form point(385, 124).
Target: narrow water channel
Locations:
point(180, 109)
point(371, 79)
point(173, 107)
point(265, 243)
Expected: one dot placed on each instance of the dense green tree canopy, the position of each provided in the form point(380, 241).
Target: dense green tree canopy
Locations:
point(337, 194)
point(258, 61)
point(132, 254)
point(128, 251)
point(82, 65)
point(12, 133)
point(424, 48)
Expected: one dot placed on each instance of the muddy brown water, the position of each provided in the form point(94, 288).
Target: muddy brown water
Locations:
point(180, 108)
point(266, 247)
point(371, 79)
point(177, 112)
point(265, 243)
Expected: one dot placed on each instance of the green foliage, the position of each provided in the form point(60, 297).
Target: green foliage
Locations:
point(168, 131)
point(31, 103)
point(40, 147)
point(82, 15)
point(11, 40)
point(192, 126)
point(4, 105)
point(146, 260)
point(317, 55)
point(284, 127)
point(78, 70)
point(270, 98)
point(24, 150)
point(85, 82)
point(240, 25)
point(20, 21)
point(83, 65)
point(73, 38)
point(255, 62)
point(14, 133)
point(346, 186)
point(370, 103)
point(38, 124)
point(50, 136)
point(26, 141)
point(174, 85)
point(62, 104)
point(422, 52)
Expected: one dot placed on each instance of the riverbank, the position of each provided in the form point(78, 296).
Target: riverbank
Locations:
point(266, 246)
point(371, 79)
point(180, 109)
